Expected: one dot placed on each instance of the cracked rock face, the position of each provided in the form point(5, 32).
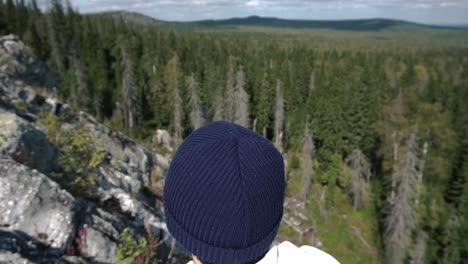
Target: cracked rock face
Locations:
point(17, 61)
point(12, 258)
point(25, 143)
point(32, 203)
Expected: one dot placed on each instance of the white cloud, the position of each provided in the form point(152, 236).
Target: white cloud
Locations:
point(252, 3)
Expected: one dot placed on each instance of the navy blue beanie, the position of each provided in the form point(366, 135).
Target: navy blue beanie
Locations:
point(224, 193)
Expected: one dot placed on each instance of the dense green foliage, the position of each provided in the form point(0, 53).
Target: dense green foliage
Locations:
point(397, 98)
point(79, 158)
point(131, 251)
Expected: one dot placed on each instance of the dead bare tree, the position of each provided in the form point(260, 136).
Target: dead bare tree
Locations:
point(242, 100)
point(279, 117)
point(230, 94)
point(177, 115)
point(218, 106)
point(172, 77)
point(196, 114)
point(401, 219)
point(312, 82)
point(358, 187)
point(80, 93)
point(128, 93)
point(419, 251)
point(308, 152)
point(390, 71)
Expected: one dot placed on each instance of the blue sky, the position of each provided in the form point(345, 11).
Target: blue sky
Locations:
point(424, 11)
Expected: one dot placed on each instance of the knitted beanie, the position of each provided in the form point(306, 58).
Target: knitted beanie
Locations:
point(224, 193)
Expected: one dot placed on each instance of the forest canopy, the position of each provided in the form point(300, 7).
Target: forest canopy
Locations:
point(377, 119)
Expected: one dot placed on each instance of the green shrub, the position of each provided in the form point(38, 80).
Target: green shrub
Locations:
point(21, 106)
point(80, 157)
point(128, 248)
point(131, 251)
point(53, 125)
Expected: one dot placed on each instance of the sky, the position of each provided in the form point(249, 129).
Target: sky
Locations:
point(422, 11)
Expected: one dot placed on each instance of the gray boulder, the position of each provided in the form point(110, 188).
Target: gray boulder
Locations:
point(12, 258)
point(17, 62)
point(121, 147)
point(25, 143)
point(162, 138)
point(32, 203)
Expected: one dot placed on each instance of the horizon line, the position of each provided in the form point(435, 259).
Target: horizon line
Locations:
point(280, 18)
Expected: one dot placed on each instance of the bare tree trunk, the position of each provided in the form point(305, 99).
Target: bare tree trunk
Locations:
point(401, 220)
point(254, 126)
point(419, 252)
point(358, 188)
point(230, 94)
point(177, 116)
point(391, 73)
point(196, 114)
point(279, 117)
point(218, 111)
point(80, 92)
point(128, 95)
point(308, 151)
point(395, 160)
point(242, 100)
point(312, 82)
point(172, 78)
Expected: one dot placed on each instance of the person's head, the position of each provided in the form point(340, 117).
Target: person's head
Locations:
point(224, 192)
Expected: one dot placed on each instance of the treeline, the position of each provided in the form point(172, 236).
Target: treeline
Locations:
point(396, 118)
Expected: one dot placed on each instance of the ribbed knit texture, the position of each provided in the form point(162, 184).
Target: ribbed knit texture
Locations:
point(224, 193)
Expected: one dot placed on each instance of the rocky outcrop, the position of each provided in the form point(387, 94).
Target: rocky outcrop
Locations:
point(163, 139)
point(41, 222)
point(19, 64)
point(24, 142)
point(36, 205)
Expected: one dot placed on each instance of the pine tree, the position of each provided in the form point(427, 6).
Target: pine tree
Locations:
point(21, 19)
point(10, 16)
point(3, 23)
point(55, 18)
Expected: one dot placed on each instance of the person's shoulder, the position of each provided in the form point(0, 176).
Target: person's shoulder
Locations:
point(318, 255)
point(287, 252)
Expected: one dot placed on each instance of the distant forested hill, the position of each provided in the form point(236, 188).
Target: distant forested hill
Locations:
point(352, 25)
point(376, 24)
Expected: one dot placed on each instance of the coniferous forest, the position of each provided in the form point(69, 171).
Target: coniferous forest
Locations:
point(373, 124)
